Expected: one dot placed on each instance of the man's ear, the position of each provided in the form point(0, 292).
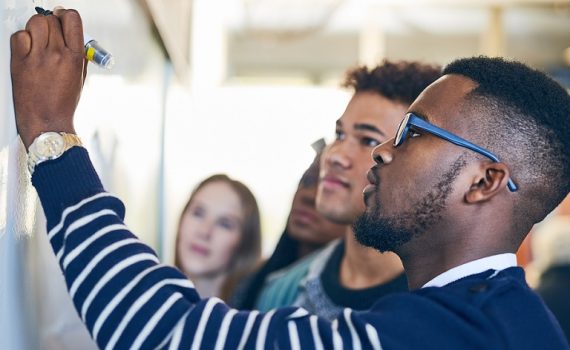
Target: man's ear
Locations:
point(493, 178)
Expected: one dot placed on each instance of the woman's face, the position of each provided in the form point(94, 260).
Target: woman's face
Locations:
point(210, 231)
point(305, 222)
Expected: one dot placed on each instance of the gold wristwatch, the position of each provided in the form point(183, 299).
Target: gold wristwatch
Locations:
point(50, 145)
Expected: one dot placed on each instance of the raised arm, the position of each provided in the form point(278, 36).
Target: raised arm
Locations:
point(126, 298)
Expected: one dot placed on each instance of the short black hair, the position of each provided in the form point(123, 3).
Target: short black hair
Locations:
point(523, 116)
point(400, 81)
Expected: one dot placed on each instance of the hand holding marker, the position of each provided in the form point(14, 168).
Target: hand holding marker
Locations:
point(93, 51)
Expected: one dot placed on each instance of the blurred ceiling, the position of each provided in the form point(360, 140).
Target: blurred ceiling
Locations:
point(317, 40)
point(398, 16)
point(267, 35)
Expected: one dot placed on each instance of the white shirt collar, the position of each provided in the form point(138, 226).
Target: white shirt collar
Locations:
point(494, 262)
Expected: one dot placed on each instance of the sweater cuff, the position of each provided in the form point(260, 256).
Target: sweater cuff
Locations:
point(65, 181)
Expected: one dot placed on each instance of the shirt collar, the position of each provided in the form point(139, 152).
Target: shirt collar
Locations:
point(494, 262)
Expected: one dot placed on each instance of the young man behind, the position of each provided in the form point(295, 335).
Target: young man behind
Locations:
point(347, 274)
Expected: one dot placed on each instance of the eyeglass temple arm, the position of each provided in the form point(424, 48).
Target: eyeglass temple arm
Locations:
point(428, 127)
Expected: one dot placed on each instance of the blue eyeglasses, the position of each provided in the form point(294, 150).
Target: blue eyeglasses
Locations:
point(412, 121)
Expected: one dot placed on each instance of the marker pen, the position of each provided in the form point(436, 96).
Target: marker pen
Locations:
point(96, 54)
point(93, 51)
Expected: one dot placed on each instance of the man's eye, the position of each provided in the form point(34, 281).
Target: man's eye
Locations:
point(339, 135)
point(370, 142)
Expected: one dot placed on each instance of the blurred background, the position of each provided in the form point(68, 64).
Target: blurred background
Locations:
point(235, 86)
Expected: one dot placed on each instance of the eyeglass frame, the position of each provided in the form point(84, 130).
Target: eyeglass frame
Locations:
point(412, 120)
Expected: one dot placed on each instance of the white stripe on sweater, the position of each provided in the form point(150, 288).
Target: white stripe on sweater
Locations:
point(78, 224)
point(71, 209)
point(118, 298)
point(204, 318)
point(139, 303)
point(373, 336)
point(177, 334)
point(294, 336)
point(315, 331)
point(262, 335)
point(87, 219)
point(247, 329)
point(151, 324)
point(93, 262)
point(224, 329)
point(112, 273)
point(86, 243)
point(337, 339)
point(356, 345)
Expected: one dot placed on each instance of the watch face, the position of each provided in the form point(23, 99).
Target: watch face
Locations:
point(49, 145)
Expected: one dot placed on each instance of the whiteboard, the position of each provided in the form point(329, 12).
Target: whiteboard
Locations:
point(14, 209)
point(34, 305)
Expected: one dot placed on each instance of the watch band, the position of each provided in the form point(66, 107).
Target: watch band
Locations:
point(35, 157)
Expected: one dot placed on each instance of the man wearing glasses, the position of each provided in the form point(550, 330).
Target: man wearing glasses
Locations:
point(452, 211)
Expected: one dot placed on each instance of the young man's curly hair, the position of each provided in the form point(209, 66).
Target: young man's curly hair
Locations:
point(400, 81)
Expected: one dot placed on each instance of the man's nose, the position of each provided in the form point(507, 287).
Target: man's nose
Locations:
point(384, 153)
point(339, 155)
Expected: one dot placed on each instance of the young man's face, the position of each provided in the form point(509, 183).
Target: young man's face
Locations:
point(412, 184)
point(369, 119)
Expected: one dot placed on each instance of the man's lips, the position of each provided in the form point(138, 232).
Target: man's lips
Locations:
point(370, 189)
point(331, 181)
point(371, 176)
point(368, 192)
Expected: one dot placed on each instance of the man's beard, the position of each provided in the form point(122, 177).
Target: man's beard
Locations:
point(390, 233)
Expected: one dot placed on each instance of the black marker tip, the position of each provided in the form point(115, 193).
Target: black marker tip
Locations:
point(41, 11)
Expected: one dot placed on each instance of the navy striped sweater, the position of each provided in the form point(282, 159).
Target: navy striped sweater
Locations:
point(129, 300)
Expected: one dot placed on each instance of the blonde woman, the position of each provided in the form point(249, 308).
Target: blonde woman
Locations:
point(219, 238)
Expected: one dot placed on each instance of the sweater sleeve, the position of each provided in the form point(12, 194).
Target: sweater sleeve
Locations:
point(128, 299)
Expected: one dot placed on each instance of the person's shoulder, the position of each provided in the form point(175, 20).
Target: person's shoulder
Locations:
point(494, 307)
point(295, 271)
point(492, 282)
point(509, 286)
point(282, 287)
point(483, 287)
point(471, 291)
point(503, 300)
point(301, 267)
